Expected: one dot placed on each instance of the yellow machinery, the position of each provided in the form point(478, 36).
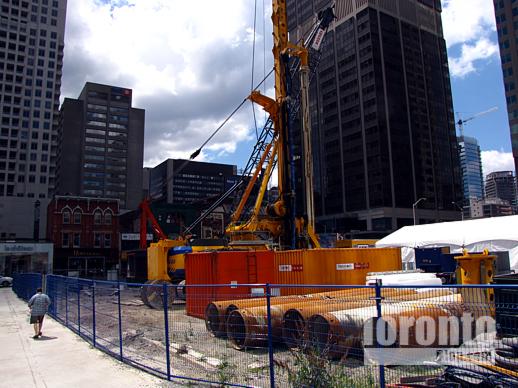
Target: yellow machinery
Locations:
point(281, 222)
point(166, 264)
point(165, 258)
point(477, 268)
point(158, 268)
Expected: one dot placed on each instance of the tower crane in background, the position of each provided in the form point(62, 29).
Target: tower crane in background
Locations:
point(461, 122)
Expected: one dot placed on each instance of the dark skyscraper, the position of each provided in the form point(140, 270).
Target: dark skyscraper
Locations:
point(31, 61)
point(382, 115)
point(101, 146)
point(507, 27)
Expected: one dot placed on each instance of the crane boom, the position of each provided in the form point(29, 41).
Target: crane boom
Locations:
point(461, 122)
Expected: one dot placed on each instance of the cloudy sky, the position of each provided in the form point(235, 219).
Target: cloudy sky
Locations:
point(189, 64)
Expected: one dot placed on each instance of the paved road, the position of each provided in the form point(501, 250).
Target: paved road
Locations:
point(59, 359)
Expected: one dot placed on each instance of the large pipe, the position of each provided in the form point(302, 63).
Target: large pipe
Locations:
point(337, 333)
point(294, 328)
point(216, 313)
point(248, 327)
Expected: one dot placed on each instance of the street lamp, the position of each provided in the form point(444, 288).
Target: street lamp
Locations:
point(415, 204)
point(461, 209)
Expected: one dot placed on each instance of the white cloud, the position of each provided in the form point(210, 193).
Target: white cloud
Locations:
point(483, 49)
point(188, 63)
point(497, 161)
point(469, 27)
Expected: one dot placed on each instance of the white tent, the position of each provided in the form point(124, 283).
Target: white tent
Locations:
point(495, 234)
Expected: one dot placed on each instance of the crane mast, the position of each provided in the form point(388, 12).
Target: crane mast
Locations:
point(279, 220)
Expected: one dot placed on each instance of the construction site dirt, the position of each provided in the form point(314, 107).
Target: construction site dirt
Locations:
point(195, 353)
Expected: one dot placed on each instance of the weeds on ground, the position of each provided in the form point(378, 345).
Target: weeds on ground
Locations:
point(225, 372)
point(312, 369)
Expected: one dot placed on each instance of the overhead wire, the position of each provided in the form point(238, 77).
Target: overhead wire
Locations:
point(257, 87)
point(198, 151)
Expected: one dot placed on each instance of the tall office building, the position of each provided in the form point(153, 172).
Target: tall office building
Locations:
point(471, 166)
point(502, 185)
point(382, 115)
point(101, 146)
point(31, 60)
point(507, 27)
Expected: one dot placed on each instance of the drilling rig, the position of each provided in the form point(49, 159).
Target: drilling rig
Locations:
point(281, 223)
point(278, 225)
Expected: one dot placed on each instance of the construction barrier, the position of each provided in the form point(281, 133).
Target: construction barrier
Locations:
point(25, 285)
point(354, 336)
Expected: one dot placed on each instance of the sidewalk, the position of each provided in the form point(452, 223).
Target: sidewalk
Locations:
point(60, 358)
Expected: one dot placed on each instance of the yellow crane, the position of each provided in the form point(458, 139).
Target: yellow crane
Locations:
point(280, 221)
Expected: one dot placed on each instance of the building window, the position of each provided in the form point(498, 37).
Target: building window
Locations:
point(66, 217)
point(107, 240)
point(77, 217)
point(65, 240)
point(97, 217)
point(77, 240)
point(108, 218)
point(97, 240)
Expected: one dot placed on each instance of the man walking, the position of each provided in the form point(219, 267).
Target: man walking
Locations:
point(38, 304)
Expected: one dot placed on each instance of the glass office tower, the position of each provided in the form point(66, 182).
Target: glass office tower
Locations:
point(471, 166)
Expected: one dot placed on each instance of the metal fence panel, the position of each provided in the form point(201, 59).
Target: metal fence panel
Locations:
point(201, 350)
point(142, 331)
point(25, 285)
point(247, 335)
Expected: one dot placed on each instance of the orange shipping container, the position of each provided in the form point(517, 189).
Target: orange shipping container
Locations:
point(225, 267)
point(331, 266)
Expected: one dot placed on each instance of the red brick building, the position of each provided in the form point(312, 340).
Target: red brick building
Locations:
point(85, 233)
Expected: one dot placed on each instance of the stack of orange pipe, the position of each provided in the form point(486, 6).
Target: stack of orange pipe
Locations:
point(216, 313)
point(248, 327)
point(337, 332)
point(294, 322)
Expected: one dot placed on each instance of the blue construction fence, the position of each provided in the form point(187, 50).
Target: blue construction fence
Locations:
point(262, 335)
point(26, 284)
